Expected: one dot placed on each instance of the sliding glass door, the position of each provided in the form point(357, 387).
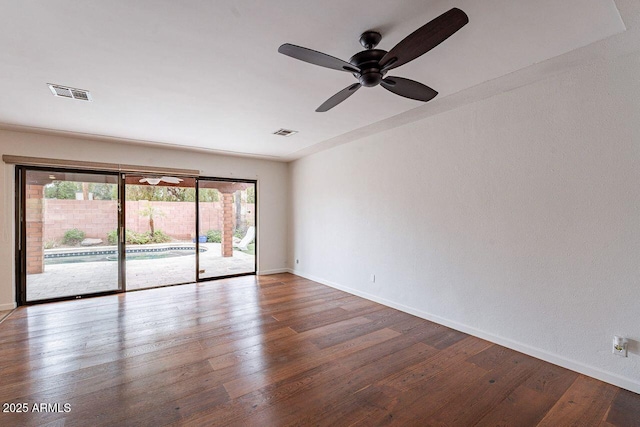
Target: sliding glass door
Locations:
point(160, 231)
point(68, 241)
point(227, 226)
point(84, 233)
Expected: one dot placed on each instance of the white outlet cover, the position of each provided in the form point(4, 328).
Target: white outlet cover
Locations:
point(619, 346)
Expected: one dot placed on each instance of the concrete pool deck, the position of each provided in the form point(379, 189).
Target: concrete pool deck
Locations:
point(60, 280)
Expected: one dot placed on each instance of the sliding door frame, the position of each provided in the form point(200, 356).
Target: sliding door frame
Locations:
point(255, 217)
point(123, 230)
point(21, 235)
point(122, 247)
point(21, 229)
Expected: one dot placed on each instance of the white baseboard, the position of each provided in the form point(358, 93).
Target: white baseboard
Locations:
point(10, 306)
point(274, 271)
point(573, 365)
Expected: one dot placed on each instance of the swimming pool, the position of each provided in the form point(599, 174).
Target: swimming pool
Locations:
point(112, 254)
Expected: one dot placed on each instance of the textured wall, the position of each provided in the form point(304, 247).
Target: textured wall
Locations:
point(515, 218)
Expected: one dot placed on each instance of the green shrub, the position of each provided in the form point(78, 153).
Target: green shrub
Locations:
point(112, 237)
point(214, 236)
point(73, 236)
point(240, 232)
point(134, 238)
point(159, 236)
point(50, 244)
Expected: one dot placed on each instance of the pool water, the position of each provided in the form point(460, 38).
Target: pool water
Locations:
point(112, 255)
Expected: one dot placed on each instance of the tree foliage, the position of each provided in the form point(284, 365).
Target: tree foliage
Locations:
point(68, 189)
point(251, 194)
point(62, 190)
point(103, 191)
point(209, 195)
point(150, 212)
point(156, 193)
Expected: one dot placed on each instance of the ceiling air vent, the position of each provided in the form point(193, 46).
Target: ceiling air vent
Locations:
point(285, 132)
point(70, 92)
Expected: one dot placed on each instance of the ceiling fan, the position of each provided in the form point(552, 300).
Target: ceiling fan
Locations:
point(154, 180)
point(371, 65)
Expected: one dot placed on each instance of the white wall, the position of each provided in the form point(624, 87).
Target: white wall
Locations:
point(272, 189)
point(515, 218)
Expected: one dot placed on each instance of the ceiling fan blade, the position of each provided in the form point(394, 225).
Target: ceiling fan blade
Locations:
point(151, 180)
point(408, 88)
point(425, 38)
point(338, 98)
point(317, 58)
point(171, 179)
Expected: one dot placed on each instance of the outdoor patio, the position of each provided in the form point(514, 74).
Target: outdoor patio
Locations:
point(61, 280)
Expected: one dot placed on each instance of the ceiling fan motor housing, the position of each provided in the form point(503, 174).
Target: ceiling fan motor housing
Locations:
point(368, 61)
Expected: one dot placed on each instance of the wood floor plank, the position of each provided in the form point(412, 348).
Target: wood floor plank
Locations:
point(552, 380)
point(277, 350)
point(532, 400)
point(524, 407)
point(585, 403)
point(362, 376)
point(264, 406)
point(488, 392)
point(415, 406)
point(87, 380)
point(443, 361)
point(377, 322)
point(258, 380)
point(625, 410)
point(330, 316)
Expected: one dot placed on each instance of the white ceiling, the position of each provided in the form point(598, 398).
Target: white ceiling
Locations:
point(207, 74)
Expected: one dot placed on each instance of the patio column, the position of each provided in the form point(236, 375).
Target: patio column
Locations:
point(227, 224)
point(34, 215)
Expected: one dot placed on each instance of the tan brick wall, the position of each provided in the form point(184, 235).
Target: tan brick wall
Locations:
point(228, 216)
point(34, 220)
point(95, 217)
point(98, 217)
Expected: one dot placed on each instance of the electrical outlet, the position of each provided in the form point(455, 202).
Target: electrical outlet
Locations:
point(297, 261)
point(619, 347)
point(373, 278)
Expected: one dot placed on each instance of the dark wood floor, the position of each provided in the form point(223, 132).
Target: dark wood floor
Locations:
point(274, 351)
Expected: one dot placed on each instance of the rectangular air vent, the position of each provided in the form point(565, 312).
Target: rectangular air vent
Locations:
point(70, 92)
point(285, 132)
